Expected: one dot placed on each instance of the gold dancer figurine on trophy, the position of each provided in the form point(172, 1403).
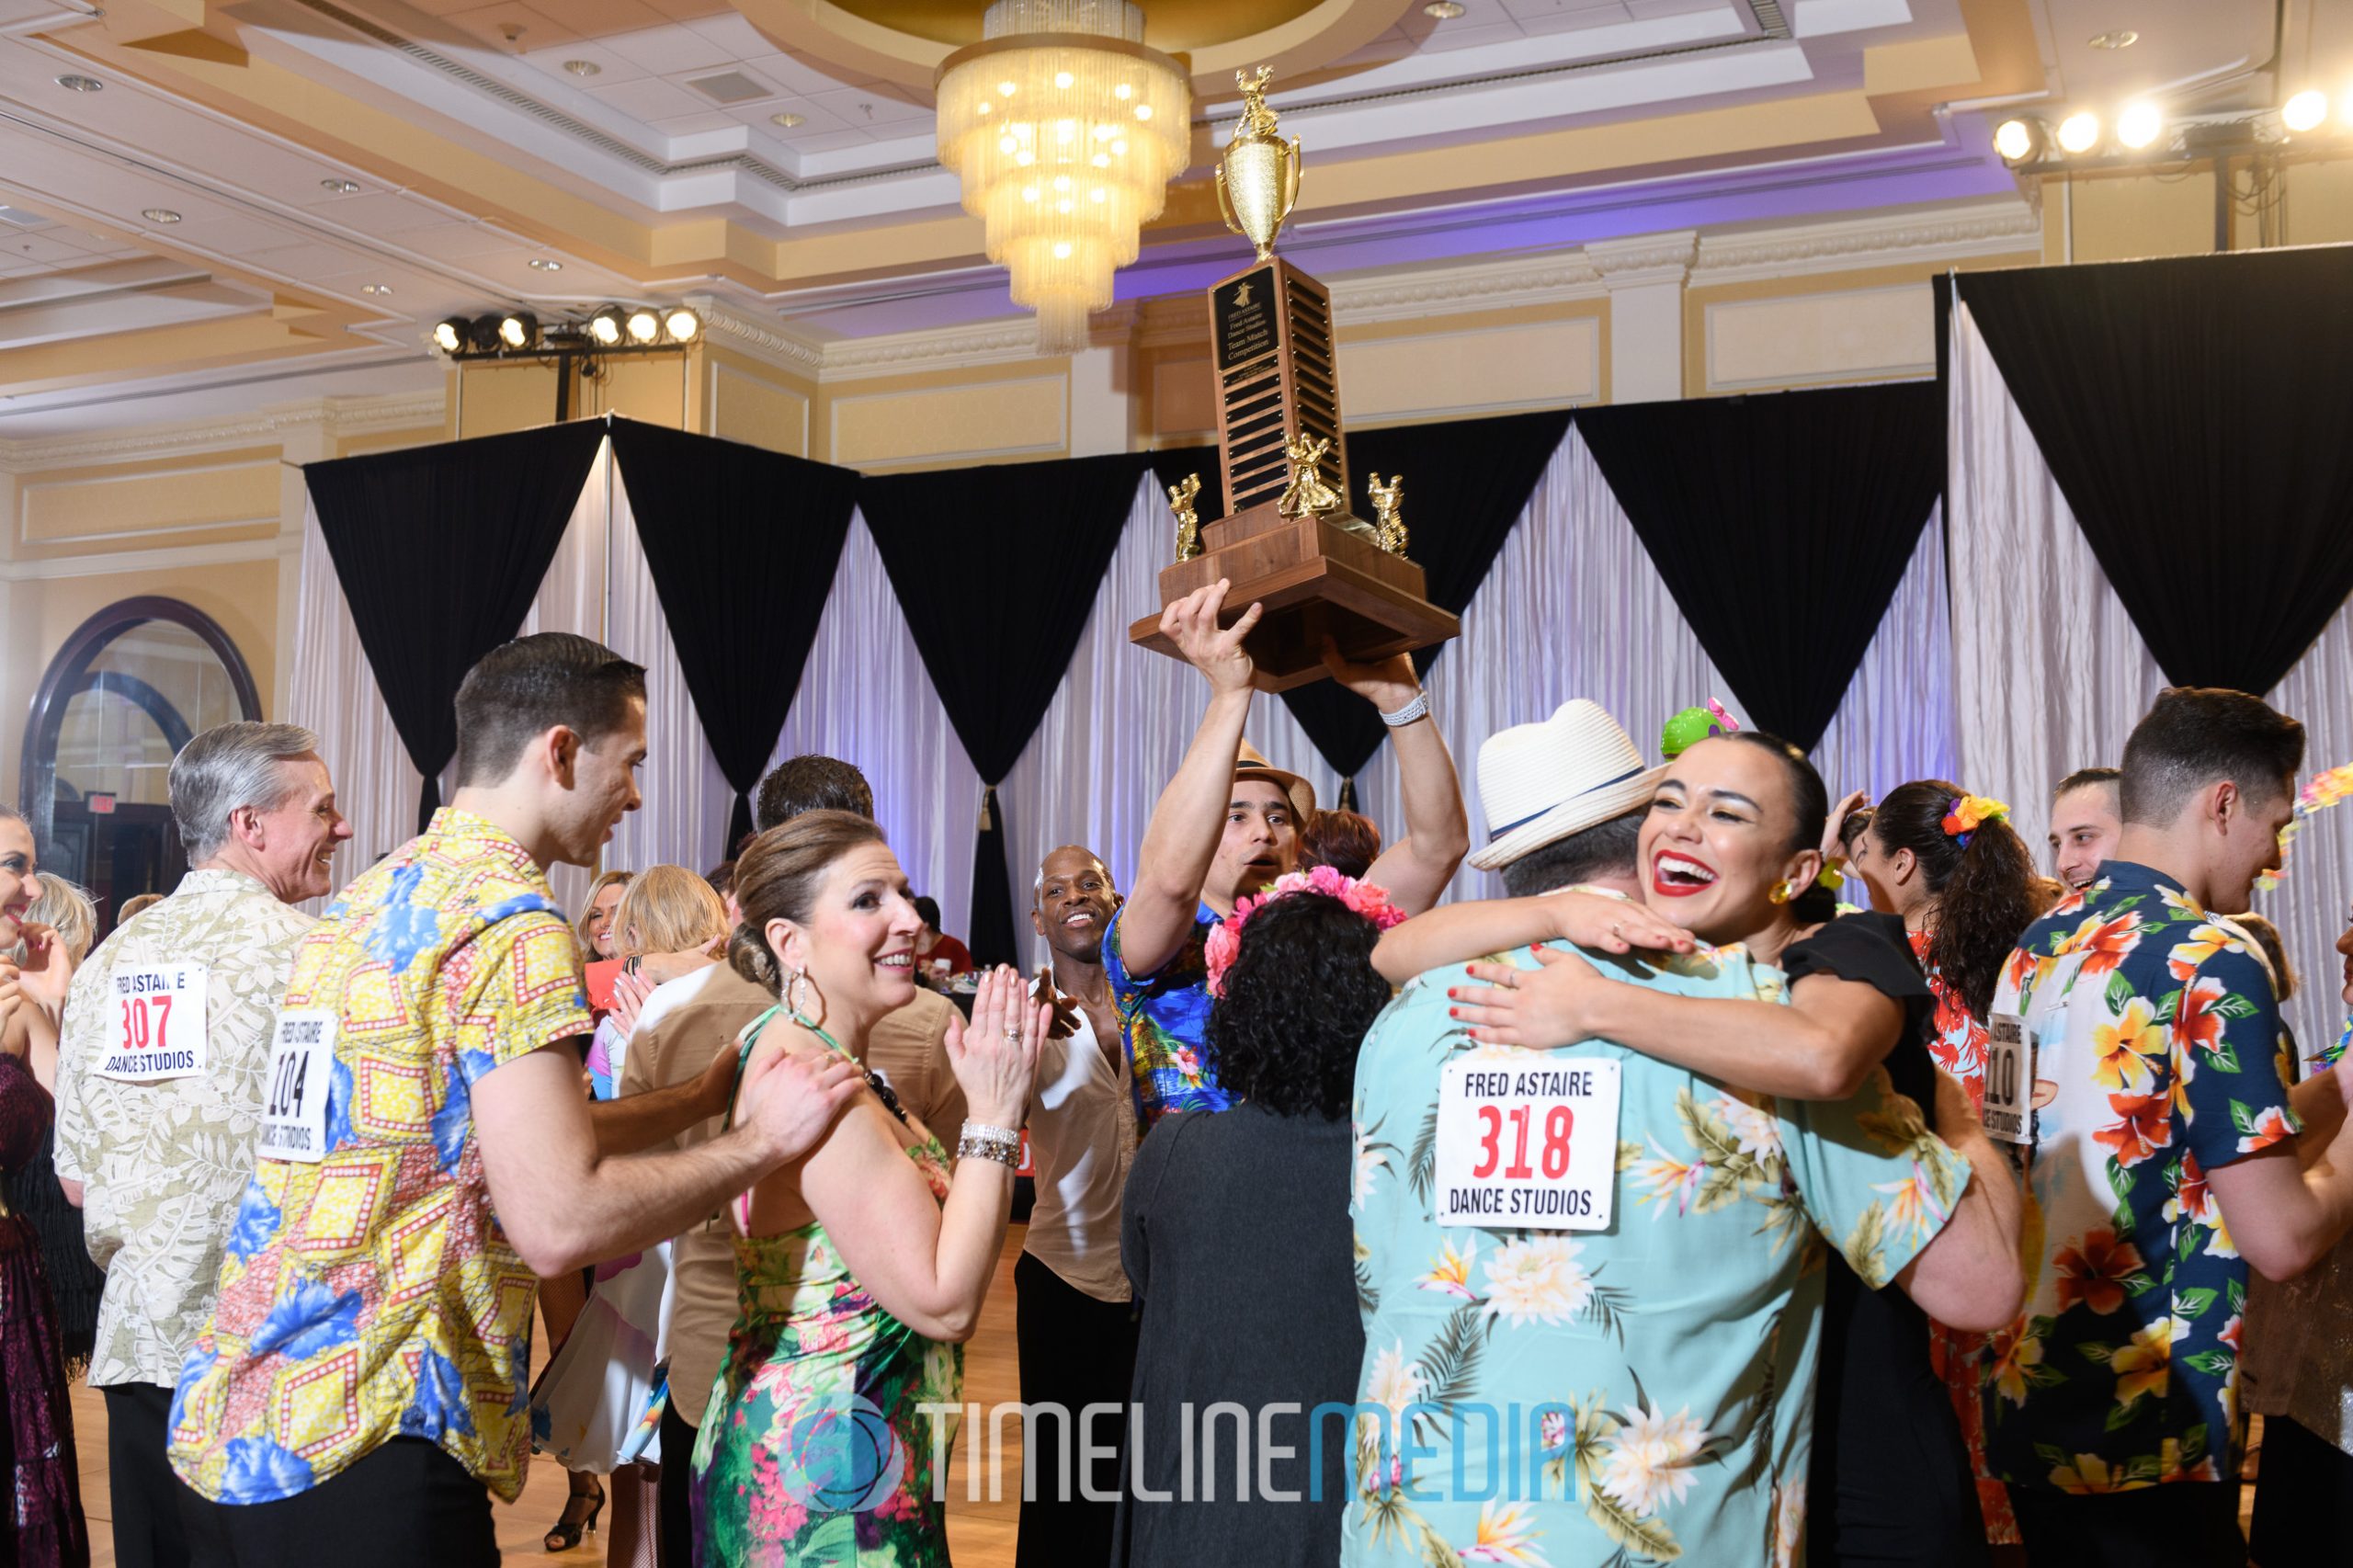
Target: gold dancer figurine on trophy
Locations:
point(1288, 541)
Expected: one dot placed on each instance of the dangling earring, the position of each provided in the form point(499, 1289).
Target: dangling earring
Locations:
point(794, 1002)
point(1781, 892)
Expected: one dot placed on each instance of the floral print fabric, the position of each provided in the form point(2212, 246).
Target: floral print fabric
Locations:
point(1165, 1017)
point(2161, 1057)
point(164, 1163)
point(814, 1449)
point(372, 1295)
point(1958, 1045)
point(1642, 1393)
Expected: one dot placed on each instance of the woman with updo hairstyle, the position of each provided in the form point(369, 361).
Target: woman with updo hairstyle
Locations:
point(1237, 1240)
point(862, 1266)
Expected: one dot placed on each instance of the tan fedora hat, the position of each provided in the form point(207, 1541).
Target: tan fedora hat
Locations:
point(1248, 763)
point(1539, 783)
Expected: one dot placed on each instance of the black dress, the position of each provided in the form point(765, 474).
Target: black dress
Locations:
point(1237, 1239)
point(1891, 1482)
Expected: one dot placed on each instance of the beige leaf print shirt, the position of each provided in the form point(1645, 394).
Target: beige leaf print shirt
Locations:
point(164, 1163)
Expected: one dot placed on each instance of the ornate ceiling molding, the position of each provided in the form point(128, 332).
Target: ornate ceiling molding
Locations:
point(1996, 230)
point(338, 416)
point(903, 353)
point(1644, 259)
point(763, 341)
point(1484, 286)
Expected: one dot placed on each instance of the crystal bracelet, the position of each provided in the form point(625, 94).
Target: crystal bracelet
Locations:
point(1417, 708)
point(982, 1130)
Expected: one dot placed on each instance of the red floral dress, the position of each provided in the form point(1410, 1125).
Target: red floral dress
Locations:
point(1958, 1357)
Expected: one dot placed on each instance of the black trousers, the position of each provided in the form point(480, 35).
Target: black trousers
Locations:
point(405, 1505)
point(2188, 1524)
point(677, 1532)
point(1076, 1351)
point(2304, 1504)
point(147, 1529)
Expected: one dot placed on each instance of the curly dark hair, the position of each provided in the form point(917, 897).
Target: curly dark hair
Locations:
point(1301, 994)
point(1986, 894)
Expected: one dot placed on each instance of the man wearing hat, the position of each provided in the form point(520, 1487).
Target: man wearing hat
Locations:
point(1228, 825)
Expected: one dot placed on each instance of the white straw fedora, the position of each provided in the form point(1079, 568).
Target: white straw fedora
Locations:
point(1541, 782)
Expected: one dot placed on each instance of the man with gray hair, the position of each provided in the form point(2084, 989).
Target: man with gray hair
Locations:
point(159, 1083)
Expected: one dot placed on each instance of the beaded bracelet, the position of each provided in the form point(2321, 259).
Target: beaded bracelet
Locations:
point(1007, 1154)
point(1000, 1134)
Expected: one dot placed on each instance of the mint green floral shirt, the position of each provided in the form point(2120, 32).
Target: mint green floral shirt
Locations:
point(1634, 1395)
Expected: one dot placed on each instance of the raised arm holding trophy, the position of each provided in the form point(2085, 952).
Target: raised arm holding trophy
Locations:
point(1288, 541)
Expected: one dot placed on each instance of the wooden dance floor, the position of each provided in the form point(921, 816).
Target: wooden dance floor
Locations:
point(980, 1534)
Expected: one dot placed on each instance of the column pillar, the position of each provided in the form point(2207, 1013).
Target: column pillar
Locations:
point(1645, 277)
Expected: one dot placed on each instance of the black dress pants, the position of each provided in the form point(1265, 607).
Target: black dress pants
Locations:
point(2188, 1524)
point(408, 1505)
point(147, 1529)
point(1076, 1351)
point(2304, 1504)
point(678, 1534)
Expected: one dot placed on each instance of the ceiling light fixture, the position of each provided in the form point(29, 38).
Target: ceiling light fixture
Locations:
point(1058, 66)
point(341, 186)
point(82, 83)
point(2020, 142)
point(1443, 10)
point(375, 288)
point(2139, 124)
point(541, 264)
point(788, 120)
point(160, 215)
point(584, 68)
point(2122, 38)
point(2079, 132)
point(2305, 110)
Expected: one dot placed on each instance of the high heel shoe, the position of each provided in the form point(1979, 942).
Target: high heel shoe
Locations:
point(566, 1533)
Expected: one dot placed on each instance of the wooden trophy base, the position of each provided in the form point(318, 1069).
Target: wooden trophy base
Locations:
point(1317, 578)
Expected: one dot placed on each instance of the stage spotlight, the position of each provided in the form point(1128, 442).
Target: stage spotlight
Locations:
point(2019, 141)
point(682, 324)
point(520, 329)
point(2139, 124)
point(2079, 132)
point(2305, 110)
point(605, 326)
point(644, 326)
point(451, 335)
point(484, 336)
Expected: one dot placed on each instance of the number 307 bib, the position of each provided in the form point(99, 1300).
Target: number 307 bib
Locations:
point(156, 1029)
point(1529, 1145)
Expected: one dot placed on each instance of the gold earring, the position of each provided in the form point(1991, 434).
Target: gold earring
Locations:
point(1781, 891)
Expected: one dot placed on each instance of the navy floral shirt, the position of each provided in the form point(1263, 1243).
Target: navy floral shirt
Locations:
point(1164, 1017)
point(2161, 1057)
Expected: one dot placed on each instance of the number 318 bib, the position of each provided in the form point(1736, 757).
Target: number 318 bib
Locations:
point(1530, 1145)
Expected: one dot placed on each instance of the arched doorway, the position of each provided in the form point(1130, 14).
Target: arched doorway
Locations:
point(130, 687)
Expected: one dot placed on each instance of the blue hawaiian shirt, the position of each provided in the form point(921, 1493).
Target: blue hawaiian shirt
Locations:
point(1165, 1021)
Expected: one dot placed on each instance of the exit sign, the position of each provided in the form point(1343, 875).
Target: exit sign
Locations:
point(100, 805)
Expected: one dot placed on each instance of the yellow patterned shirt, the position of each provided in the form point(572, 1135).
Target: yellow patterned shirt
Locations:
point(369, 1293)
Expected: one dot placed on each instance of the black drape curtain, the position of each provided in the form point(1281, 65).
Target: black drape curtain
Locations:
point(997, 569)
point(1466, 484)
point(1782, 525)
point(441, 550)
point(2192, 412)
point(742, 543)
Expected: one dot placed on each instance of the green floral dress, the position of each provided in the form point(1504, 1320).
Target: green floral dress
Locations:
point(814, 1449)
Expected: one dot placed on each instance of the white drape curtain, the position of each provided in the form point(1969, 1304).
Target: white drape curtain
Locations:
point(2049, 674)
point(866, 697)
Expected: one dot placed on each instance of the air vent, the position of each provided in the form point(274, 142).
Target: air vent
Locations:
point(22, 219)
point(732, 87)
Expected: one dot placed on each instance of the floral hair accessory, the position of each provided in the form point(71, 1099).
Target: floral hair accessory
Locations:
point(1970, 813)
point(1367, 899)
point(2324, 790)
point(1691, 726)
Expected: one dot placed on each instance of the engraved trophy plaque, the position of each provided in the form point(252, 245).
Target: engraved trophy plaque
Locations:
point(1288, 541)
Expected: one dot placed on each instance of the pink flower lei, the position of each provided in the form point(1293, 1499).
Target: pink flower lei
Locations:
point(1366, 898)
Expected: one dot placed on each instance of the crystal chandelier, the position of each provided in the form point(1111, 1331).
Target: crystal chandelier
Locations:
point(1066, 130)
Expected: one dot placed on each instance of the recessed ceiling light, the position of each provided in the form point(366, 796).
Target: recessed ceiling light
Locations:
point(160, 215)
point(544, 264)
point(584, 67)
point(375, 288)
point(340, 186)
point(82, 83)
point(2122, 38)
point(1444, 10)
point(788, 120)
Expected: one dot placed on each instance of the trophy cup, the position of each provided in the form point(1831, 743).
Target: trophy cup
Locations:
point(1288, 541)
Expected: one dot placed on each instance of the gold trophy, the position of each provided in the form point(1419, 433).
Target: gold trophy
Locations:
point(1288, 541)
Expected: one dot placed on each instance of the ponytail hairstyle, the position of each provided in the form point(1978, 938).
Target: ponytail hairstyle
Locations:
point(1985, 889)
point(778, 876)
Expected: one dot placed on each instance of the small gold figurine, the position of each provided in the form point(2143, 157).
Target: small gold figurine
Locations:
point(1306, 494)
point(1388, 503)
point(1257, 178)
point(1189, 526)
